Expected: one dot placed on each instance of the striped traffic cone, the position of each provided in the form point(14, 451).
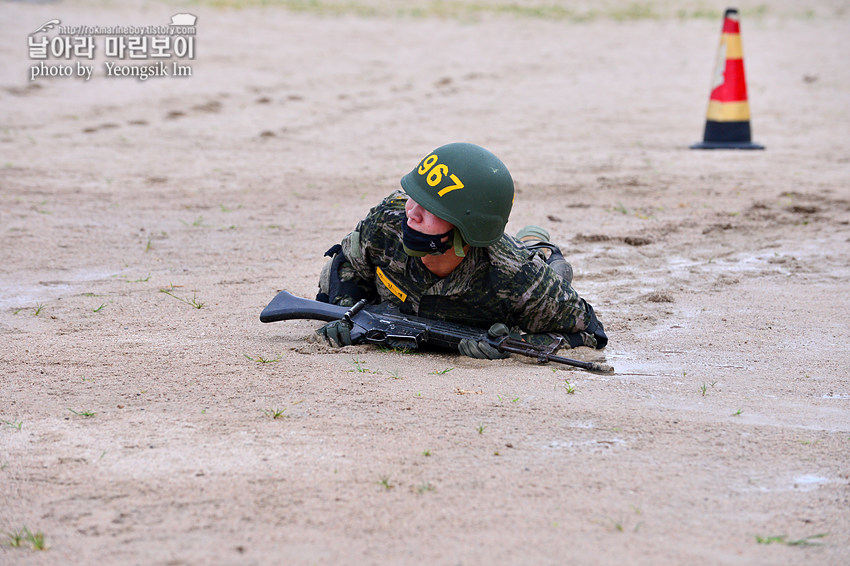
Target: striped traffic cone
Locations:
point(727, 124)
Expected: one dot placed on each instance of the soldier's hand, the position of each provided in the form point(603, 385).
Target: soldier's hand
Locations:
point(481, 349)
point(336, 333)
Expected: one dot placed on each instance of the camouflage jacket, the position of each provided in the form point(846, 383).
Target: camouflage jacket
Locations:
point(504, 282)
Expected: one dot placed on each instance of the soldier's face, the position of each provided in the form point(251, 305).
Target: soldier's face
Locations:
point(423, 221)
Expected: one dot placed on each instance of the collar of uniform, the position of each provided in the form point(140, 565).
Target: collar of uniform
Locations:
point(457, 282)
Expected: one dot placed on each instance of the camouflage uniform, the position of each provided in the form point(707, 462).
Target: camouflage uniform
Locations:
point(503, 282)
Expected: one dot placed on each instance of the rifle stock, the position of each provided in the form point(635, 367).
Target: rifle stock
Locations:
point(385, 325)
point(286, 306)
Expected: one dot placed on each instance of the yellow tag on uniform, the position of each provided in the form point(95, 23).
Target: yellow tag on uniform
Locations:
point(390, 285)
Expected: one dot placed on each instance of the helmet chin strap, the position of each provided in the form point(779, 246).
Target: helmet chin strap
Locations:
point(458, 244)
point(414, 253)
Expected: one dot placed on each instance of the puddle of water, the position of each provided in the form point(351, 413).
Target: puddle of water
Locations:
point(16, 294)
point(599, 443)
point(809, 479)
point(625, 364)
point(804, 482)
point(808, 482)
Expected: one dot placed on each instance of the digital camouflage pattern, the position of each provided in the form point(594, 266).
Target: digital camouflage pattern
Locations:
point(503, 282)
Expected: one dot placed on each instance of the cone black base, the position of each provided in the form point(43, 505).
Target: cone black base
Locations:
point(726, 135)
point(726, 145)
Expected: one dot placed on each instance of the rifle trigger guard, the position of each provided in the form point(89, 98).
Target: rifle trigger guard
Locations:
point(559, 341)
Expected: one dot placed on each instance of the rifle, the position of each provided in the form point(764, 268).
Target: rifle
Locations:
point(385, 325)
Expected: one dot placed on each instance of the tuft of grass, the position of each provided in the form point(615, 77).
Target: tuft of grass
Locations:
point(100, 308)
point(783, 539)
point(396, 350)
point(617, 526)
point(36, 539)
point(699, 14)
point(704, 387)
point(359, 367)
point(621, 208)
point(570, 389)
point(16, 539)
point(275, 413)
point(38, 308)
point(481, 429)
point(384, 481)
point(441, 371)
point(15, 424)
point(500, 398)
point(621, 525)
point(633, 12)
point(193, 302)
point(196, 223)
point(83, 413)
point(262, 360)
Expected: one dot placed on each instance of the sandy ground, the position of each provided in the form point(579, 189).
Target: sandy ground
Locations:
point(721, 277)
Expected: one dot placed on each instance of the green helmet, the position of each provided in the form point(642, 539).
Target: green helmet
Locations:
point(466, 185)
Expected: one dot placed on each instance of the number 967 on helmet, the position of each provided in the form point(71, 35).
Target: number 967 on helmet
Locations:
point(466, 185)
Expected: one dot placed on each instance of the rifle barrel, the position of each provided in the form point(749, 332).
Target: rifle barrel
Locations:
point(546, 357)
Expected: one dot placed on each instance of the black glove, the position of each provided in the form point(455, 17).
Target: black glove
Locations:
point(337, 333)
point(481, 349)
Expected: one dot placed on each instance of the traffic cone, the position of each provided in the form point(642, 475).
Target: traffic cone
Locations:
point(727, 124)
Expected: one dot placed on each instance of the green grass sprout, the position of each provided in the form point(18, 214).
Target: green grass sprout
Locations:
point(193, 302)
point(83, 413)
point(262, 360)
